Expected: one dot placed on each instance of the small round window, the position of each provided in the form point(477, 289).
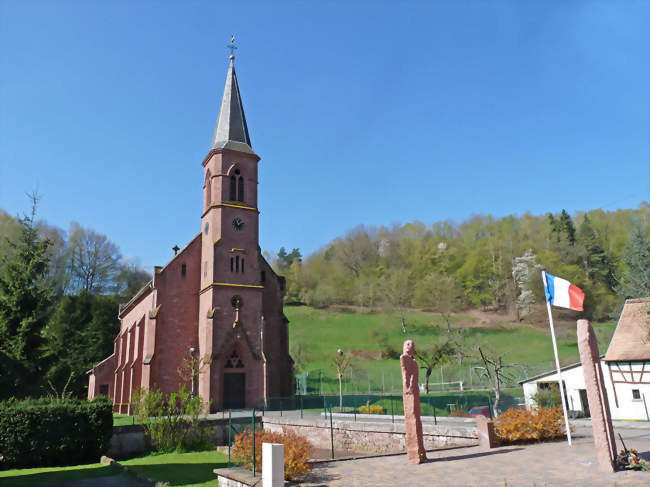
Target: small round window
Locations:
point(236, 302)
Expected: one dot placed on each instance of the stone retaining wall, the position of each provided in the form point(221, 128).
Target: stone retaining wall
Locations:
point(128, 441)
point(372, 437)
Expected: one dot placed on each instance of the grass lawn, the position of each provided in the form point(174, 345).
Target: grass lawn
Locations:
point(27, 477)
point(322, 332)
point(182, 469)
point(123, 419)
point(192, 469)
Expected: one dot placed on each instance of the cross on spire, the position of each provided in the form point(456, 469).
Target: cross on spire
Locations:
point(232, 47)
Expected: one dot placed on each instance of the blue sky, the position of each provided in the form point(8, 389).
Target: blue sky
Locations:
point(362, 112)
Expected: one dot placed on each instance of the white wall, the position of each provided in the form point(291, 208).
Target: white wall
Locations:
point(574, 380)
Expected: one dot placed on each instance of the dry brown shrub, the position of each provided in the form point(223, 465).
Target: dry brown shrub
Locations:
point(521, 425)
point(297, 451)
point(459, 412)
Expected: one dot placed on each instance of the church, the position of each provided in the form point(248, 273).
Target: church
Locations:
point(216, 304)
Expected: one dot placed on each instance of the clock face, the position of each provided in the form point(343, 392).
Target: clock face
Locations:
point(238, 224)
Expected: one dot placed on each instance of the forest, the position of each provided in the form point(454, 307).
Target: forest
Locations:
point(59, 297)
point(484, 262)
point(60, 289)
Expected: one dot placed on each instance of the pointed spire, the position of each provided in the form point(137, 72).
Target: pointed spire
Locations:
point(231, 131)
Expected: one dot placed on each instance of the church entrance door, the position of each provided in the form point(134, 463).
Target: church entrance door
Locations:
point(234, 390)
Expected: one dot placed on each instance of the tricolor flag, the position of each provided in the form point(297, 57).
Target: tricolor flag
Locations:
point(560, 292)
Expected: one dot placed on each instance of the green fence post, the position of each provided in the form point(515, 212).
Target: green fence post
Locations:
point(281, 406)
point(253, 428)
point(435, 418)
point(301, 407)
point(332, 432)
point(392, 409)
point(229, 432)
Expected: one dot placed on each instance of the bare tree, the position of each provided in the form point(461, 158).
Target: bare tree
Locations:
point(191, 366)
point(434, 355)
point(95, 260)
point(396, 292)
point(495, 371)
point(439, 293)
point(341, 362)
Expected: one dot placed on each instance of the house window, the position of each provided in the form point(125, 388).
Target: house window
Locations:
point(636, 394)
point(183, 270)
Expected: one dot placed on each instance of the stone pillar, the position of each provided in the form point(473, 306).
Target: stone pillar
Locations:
point(486, 436)
point(601, 420)
point(411, 396)
point(272, 465)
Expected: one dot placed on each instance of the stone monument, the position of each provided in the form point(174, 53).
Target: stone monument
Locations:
point(411, 396)
point(601, 420)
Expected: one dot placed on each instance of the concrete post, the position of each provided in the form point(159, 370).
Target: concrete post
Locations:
point(272, 465)
point(601, 420)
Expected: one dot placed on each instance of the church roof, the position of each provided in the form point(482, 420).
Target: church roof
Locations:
point(231, 131)
point(631, 340)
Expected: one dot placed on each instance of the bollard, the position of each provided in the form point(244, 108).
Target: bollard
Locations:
point(272, 465)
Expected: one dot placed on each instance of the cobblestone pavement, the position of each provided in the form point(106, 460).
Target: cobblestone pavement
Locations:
point(554, 464)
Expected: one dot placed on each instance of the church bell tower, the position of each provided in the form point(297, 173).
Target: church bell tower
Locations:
point(231, 291)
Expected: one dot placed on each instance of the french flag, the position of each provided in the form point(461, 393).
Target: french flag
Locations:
point(560, 292)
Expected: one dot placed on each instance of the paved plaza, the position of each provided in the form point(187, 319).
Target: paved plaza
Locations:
point(540, 465)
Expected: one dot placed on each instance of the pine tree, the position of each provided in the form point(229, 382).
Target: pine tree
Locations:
point(595, 260)
point(26, 296)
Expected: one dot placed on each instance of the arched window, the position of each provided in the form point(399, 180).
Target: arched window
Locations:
point(240, 189)
point(237, 264)
point(208, 190)
point(232, 264)
point(233, 188)
point(242, 264)
point(237, 186)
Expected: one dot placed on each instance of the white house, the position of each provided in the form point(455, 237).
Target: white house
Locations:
point(625, 366)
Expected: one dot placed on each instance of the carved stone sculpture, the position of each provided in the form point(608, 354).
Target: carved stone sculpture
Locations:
point(411, 396)
point(601, 420)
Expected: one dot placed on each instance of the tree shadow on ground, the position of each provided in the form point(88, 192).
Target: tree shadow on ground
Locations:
point(179, 473)
point(57, 476)
point(471, 455)
point(319, 477)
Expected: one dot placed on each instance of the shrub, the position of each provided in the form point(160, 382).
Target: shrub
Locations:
point(459, 412)
point(50, 432)
point(171, 422)
point(373, 409)
point(539, 424)
point(297, 451)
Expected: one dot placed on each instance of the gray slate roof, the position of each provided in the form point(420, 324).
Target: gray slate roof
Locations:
point(231, 131)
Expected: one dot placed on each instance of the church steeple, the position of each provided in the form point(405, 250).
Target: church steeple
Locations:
point(231, 131)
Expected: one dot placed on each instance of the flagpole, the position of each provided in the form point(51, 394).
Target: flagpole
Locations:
point(557, 361)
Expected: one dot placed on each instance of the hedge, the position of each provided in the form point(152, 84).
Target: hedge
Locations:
point(48, 432)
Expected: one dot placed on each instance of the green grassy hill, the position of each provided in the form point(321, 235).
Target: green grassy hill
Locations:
point(315, 336)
